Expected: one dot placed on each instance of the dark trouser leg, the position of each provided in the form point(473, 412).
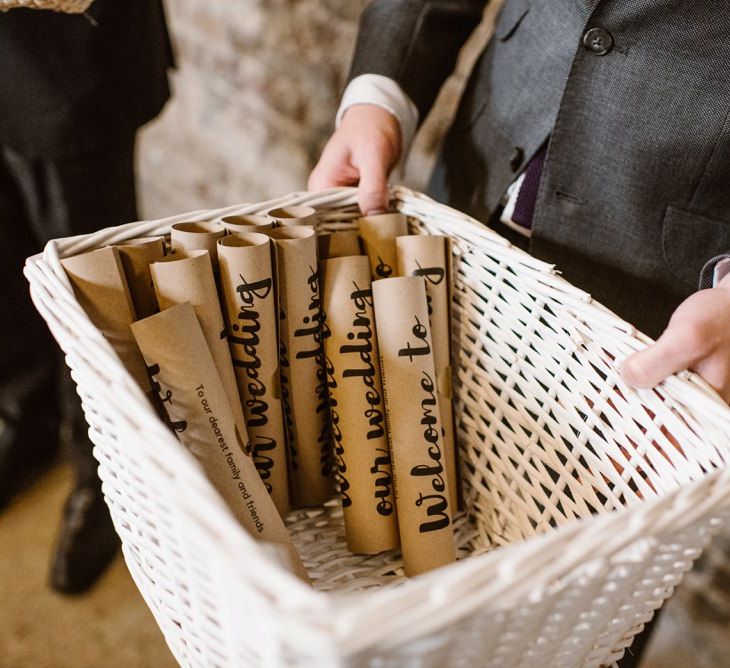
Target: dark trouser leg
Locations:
point(77, 195)
point(29, 407)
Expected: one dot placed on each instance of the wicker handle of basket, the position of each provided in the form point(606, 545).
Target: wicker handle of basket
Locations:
point(65, 6)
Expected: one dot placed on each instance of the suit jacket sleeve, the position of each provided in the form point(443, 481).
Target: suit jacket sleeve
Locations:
point(415, 43)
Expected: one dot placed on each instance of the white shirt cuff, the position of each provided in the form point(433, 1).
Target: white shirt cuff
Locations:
point(722, 269)
point(385, 93)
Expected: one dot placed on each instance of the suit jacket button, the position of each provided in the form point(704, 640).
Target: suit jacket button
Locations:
point(598, 41)
point(518, 155)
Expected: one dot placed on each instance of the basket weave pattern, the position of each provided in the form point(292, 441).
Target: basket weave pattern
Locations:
point(65, 6)
point(586, 500)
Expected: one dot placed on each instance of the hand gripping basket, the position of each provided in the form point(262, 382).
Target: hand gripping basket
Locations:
point(587, 501)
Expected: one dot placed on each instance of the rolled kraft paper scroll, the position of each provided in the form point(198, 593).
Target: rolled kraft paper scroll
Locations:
point(247, 280)
point(137, 255)
point(378, 234)
point(246, 224)
point(197, 236)
point(185, 376)
point(293, 215)
point(429, 256)
point(301, 357)
point(357, 408)
point(338, 244)
point(409, 383)
point(188, 277)
point(101, 289)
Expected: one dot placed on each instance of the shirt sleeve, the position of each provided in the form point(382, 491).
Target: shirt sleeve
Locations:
point(714, 271)
point(385, 93)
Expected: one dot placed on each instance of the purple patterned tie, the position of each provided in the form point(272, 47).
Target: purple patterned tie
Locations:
point(527, 197)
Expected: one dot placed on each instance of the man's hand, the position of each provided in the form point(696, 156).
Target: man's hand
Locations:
point(697, 338)
point(361, 152)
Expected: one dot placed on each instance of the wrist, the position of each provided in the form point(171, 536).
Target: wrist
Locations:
point(372, 114)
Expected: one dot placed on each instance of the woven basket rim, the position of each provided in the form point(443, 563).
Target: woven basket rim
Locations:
point(401, 197)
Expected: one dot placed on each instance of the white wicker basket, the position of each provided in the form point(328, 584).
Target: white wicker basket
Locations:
point(587, 500)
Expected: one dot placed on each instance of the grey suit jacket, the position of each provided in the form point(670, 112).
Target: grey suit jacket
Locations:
point(635, 194)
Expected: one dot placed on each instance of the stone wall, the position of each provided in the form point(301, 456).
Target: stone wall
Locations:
point(255, 94)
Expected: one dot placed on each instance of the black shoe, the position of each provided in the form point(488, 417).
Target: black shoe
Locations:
point(26, 452)
point(87, 543)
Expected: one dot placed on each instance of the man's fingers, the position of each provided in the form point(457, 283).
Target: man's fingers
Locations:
point(333, 169)
point(716, 371)
point(363, 164)
point(321, 179)
point(673, 352)
point(372, 196)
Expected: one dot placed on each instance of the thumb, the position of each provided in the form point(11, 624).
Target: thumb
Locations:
point(649, 367)
point(372, 196)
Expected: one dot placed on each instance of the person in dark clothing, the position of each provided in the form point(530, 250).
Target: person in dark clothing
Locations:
point(594, 134)
point(598, 132)
point(74, 89)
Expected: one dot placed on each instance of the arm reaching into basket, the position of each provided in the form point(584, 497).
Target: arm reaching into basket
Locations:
point(411, 46)
point(361, 152)
point(697, 337)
